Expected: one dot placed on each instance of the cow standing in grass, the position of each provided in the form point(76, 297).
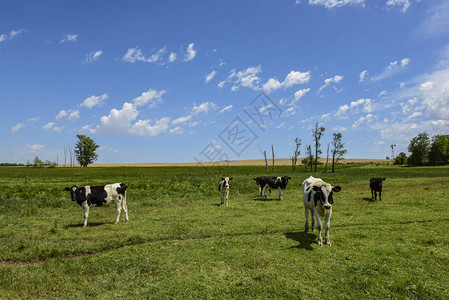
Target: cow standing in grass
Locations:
point(272, 182)
point(318, 198)
point(376, 186)
point(224, 187)
point(100, 196)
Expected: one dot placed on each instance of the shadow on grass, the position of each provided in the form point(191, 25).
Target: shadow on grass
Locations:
point(369, 199)
point(90, 224)
point(305, 239)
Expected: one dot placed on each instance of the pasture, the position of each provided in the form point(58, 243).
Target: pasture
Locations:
point(180, 243)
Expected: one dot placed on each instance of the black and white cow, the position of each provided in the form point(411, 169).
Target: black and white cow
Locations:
point(376, 186)
point(272, 183)
point(100, 196)
point(318, 198)
point(224, 187)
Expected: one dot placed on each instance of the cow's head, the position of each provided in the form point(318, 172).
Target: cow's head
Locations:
point(324, 195)
point(284, 181)
point(74, 191)
point(226, 181)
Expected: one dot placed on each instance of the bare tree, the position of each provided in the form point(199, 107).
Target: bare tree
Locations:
point(71, 155)
point(317, 134)
point(264, 152)
point(272, 152)
point(308, 160)
point(296, 153)
point(327, 158)
point(339, 151)
point(65, 156)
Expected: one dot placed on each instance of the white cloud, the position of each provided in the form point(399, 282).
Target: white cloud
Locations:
point(33, 120)
point(383, 93)
point(226, 109)
point(363, 119)
point(94, 100)
point(414, 115)
point(392, 69)
point(271, 84)
point(296, 77)
point(182, 120)
point(328, 81)
point(190, 53)
point(301, 93)
point(172, 57)
point(280, 125)
point(151, 96)
point(292, 78)
point(404, 3)
point(363, 75)
point(336, 3)
point(437, 21)
point(118, 121)
point(62, 114)
point(366, 105)
point(135, 54)
point(34, 147)
point(221, 84)
point(143, 127)
point(203, 107)
point(12, 34)
point(69, 38)
point(17, 127)
point(51, 127)
point(210, 76)
point(246, 78)
point(74, 114)
point(93, 56)
point(177, 130)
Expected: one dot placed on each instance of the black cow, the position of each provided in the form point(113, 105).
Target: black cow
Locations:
point(272, 183)
point(100, 196)
point(376, 186)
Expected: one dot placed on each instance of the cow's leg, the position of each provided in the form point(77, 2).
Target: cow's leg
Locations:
point(264, 192)
point(380, 197)
point(227, 195)
point(327, 225)
point(281, 196)
point(313, 221)
point(375, 195)
point(86, 213)
point(319, 226)
point(118, 204)
point(372, 194)
point(125, 208)
point(306, 214)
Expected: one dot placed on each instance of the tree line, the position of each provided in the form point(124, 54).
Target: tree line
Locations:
point(426, 151)
point(312, 155)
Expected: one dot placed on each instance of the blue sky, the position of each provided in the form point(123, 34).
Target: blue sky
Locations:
point(185, 81)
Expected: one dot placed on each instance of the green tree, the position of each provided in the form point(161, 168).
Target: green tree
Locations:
point(401, 159)
point(338, 151)
point(439, 151)
point(37, 162)
point(317, 134)
point(419, 148)
point(85, 150)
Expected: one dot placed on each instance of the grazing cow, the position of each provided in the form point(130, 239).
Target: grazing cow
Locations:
point(100, 196)
point(318, 198)
point(273, 183)
point(223, 187)
point(376, 186)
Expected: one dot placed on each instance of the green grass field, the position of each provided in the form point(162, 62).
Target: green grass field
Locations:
point(180, 243)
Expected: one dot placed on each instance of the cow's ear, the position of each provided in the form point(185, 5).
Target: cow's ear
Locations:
point(230, 178)
point(289, 178)
point(222, 178)
point(383, 179)
point(336, 189)
point(67, 189)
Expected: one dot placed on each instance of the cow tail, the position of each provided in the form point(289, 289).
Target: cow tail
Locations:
point(124, 202)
